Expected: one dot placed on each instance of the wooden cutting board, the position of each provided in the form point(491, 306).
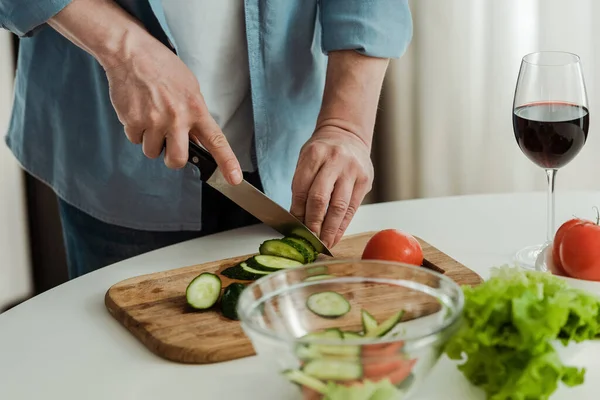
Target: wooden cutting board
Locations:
point(153, 307)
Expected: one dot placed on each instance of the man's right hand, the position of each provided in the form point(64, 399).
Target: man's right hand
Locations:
point(156, 97)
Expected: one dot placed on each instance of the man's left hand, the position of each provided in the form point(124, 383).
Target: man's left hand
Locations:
point(333, 175)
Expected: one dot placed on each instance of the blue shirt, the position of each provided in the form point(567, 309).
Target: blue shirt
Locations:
point(64, 130)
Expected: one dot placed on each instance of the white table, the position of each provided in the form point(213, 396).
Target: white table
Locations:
point(63, 344)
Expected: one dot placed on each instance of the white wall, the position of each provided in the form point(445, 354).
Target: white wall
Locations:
point(447, 118)
point(15, 277)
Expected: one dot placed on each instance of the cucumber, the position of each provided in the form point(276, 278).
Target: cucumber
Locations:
point(328, 304)
point(285, 249)
point(251, 270)
point(331, 333)
point(318, 277)
point(369, 322)
point(237, 272)
point(312, 253)
point(203, 291)
point(351, 335)
point(407, 382)
point(271, 263)
point(303, 379)
point(317, 270)
point(312, 351)
point(386, 325)
point(229, 300)
point(335, 370)
point(319, 351)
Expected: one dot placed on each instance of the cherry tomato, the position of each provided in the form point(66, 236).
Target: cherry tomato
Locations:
point(579, 251)
point(394, 245)
point(558, 240)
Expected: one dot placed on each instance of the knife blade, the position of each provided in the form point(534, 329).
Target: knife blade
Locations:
point(251, 199)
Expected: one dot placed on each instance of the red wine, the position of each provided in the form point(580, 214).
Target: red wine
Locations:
point(551, 134)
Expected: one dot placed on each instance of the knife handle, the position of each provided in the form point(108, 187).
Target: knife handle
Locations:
point(202, 159)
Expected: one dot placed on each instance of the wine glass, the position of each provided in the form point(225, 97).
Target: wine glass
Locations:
point(550, 123)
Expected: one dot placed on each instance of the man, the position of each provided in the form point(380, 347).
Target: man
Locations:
point(108, 93)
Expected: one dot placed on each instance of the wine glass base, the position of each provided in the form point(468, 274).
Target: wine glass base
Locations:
point(527, 258)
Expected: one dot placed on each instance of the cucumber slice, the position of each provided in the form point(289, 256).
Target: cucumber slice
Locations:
point(281, 248)
point(407, 382)
point(251, 270)
point(328, 304)
point(303, 379)
point(237, 272)
point(369, 322)
point(203, 291)
point(272, 263)
point(351, 335)
point(318, 351)
point(333, 370)
point(312, 253)
point(229, 300)
point(318, 277)
point(331, 333)
point(386, 325)
point(312, 351)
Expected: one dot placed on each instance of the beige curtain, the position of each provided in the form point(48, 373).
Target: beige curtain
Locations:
point(15, 275)
point(445, 122)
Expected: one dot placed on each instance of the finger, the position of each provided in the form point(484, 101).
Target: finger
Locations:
point(134, 134)
point(309, 164)
point(319, 195)
point(358, 195)
point(303, 179)
point(176, 153)
point(211, 137)
point(153, 143)
point(337, 210)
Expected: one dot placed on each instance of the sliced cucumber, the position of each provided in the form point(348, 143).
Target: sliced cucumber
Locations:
point(237, 272)
point(281, 248)
point(333, 370)
point(272, 263)
point(251, 270)
point(312, 253)
point(351, 335)
point(331, 333)
point(369, 322)
point(203, 291)
point(303, 379)
point(312, 351)
point(386, 325)
point(229, 300)
point(318, 351)
point(328, 304)
point(407, 382)
point(317, 270)
point(318, 277)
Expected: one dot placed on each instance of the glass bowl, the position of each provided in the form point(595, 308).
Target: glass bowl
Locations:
point(350, 329)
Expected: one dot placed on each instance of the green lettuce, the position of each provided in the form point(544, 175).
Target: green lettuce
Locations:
point(509, 324)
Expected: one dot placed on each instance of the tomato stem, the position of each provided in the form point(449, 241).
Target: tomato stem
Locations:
point(597, 215)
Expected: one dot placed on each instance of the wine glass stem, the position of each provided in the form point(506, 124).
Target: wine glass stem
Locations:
point(551, 175)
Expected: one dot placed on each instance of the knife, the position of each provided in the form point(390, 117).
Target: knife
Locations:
point(251, 199)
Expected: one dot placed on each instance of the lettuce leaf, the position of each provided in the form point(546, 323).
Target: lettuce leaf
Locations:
point(509, 324)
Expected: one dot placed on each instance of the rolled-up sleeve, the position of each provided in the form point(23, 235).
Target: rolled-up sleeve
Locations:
point(24, 17)
point(378, 28)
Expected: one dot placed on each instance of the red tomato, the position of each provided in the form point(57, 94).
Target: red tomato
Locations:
point(394, 245)
point(558, 240)
point(553, 267)
point(579, 251)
